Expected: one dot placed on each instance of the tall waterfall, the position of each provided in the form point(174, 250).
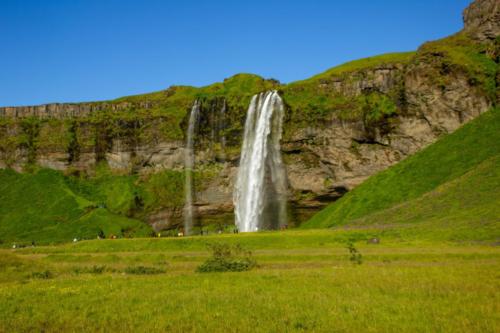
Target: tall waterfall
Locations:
point(188, 167)
point(261, 186)
point(221, 126)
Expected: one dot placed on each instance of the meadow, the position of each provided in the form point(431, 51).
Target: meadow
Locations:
point(304, 282)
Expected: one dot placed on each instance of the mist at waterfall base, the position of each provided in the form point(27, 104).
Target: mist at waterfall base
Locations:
point(260, 192)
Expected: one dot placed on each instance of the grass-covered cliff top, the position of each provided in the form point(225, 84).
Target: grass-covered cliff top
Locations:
point(238, 87)
point(444, 57)
point(461, 54)
point(456, 52)
point(359, 65)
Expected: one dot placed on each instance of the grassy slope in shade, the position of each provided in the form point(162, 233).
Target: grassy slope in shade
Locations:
point(41, 207)
point(448, 159)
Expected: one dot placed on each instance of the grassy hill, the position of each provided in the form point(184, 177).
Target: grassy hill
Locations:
point(453, 181)
point(465, 208)
point(41, 207)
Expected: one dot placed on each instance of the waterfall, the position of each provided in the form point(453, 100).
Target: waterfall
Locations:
point(217, 123)
point(261, 186)
point(221, 126)
point(188, 167)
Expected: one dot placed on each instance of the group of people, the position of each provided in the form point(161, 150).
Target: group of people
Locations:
point(203, 232)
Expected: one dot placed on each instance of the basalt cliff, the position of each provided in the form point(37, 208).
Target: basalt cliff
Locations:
point(340, 126)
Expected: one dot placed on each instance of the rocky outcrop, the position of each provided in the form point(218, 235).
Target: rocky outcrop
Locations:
point(382, 78)
point(68, 110)
point(482, 19)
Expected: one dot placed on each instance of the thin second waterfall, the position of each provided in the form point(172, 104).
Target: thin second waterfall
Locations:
point(188, 167)
point(261, 186)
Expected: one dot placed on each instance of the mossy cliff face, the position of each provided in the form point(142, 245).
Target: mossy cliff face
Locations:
point(481, 19)
point(341, 126)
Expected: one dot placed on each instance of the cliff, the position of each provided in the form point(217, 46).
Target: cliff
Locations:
point(341, 126)
point(481, 19)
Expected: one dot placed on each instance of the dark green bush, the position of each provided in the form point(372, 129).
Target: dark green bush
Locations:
point(143, 270)
point(227, 258)
point(90, 270)
point(42, 275)
point(355, 257)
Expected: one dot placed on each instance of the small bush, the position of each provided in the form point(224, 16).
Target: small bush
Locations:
point(143, 270)
point(90, 270)
point(227, 258)
point(355, 257)
point(42, 275)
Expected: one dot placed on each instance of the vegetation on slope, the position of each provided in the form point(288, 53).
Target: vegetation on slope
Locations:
point(115, 202)
point(314, 100)
point(446, 160)
point(460, 54)
point(465, 208)
point(40, 207)
point(176, 101)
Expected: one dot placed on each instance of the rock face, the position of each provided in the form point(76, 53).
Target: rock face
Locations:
point(394, 108)
point(482, 19)
point(66, 110)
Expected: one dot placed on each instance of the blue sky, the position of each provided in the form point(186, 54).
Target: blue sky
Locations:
point(85, 50)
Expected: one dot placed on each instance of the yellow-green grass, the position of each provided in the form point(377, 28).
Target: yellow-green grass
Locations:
point(304, 282)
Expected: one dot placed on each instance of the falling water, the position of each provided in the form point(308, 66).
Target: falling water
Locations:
point(221, 128)
point(260, 193)
point(188, 167)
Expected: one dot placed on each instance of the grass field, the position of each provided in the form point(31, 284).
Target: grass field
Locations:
point(304, 282)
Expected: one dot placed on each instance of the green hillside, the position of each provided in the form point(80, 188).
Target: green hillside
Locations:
point(455, 180)
point(465, 208)
point(41, 207)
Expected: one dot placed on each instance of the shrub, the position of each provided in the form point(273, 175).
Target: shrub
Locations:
point(42, 275)
point(143, 270)
point(227, 258)
point(355, 256)
point(90, 270)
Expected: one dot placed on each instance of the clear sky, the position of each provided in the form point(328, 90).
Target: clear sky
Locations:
point(84, 50)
